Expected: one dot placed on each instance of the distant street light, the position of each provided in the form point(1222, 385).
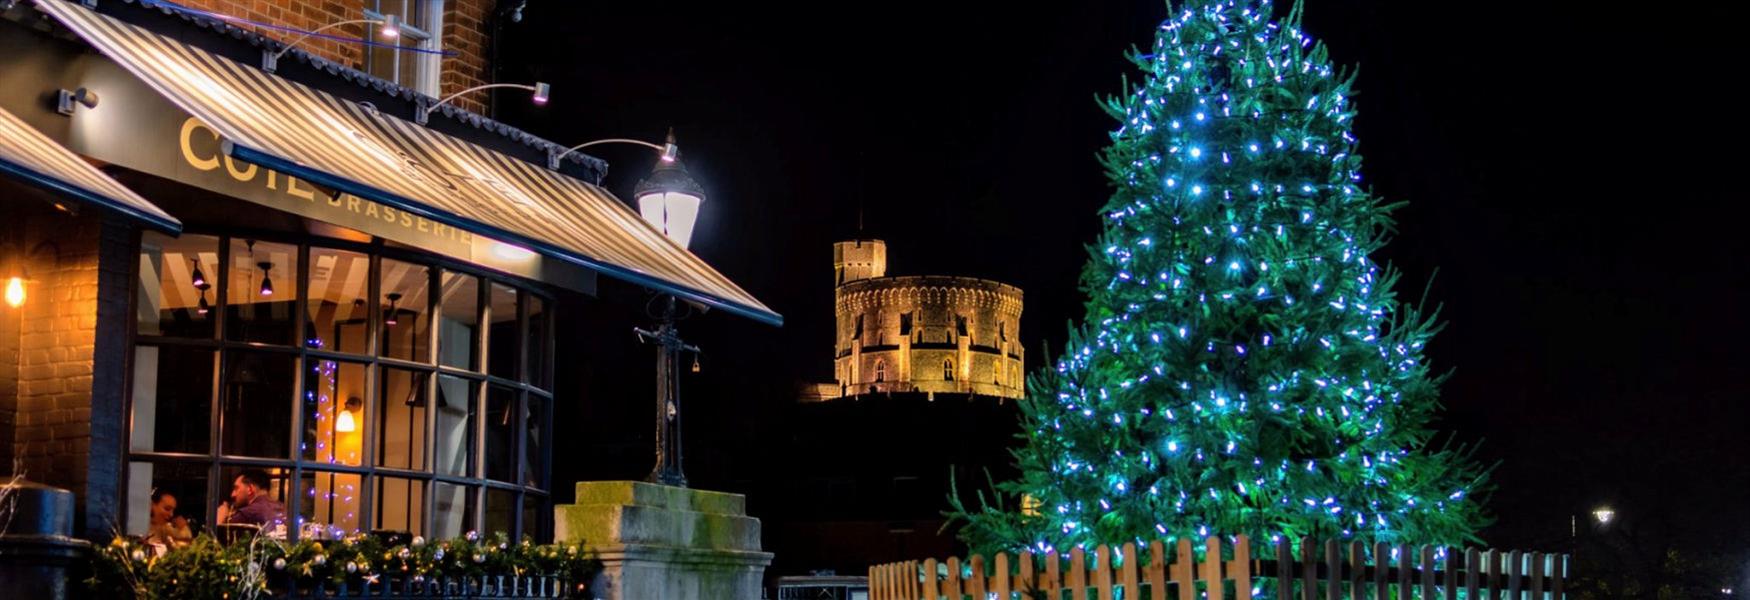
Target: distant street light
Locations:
point(1604, 514)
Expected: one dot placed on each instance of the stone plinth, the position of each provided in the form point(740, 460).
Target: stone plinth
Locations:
point(658, 541)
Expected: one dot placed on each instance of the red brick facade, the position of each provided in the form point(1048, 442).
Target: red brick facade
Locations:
point(465, 33)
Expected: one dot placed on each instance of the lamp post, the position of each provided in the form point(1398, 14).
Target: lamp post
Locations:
point(669, 199)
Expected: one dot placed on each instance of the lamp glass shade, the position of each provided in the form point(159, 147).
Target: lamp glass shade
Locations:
point(344, 423)
point(673, 213)
point(15, 292)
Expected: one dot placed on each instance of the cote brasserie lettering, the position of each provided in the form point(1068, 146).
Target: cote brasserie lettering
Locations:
point(200, 150)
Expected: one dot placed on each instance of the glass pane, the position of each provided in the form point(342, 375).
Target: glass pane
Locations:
point(500, 513)
point(452, 510)
point(401, 419)
point(455, 426)
point(249, 504)
point(331, 505)
point(173, 400)
point(178, 287)
point(179, 490)
point(535, 441)
point(535, 516)
point(380, 60)
point(334, 412)
point(257, 416)
point(407, 69)
point(339, 282)
point(401, 505)
point(536, 357)
point(501, 428)
point(406, 304)
point(505, 338)
point(262, 288)
point(460, 318)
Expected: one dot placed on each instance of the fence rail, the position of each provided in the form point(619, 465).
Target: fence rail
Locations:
point(404, 588)
point(1218, 570)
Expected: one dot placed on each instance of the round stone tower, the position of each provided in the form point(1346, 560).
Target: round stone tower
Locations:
point(922, 333)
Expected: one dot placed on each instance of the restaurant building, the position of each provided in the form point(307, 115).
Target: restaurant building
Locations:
point(316, 271)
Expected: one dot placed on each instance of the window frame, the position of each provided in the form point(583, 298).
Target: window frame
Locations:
point(428, 66)
point(294, 469)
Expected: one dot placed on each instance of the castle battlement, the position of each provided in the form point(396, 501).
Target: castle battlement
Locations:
point(921, 333)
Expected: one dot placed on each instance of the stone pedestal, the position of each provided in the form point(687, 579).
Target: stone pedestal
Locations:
point(658, 541)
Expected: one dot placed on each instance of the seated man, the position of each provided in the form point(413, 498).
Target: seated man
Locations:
point(250, 504)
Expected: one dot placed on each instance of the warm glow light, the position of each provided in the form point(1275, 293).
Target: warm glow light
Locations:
point(344, 423)
point(391, 27)
point(673, 213)
point(15, 292)
point(1604, 515)
point(542, 92)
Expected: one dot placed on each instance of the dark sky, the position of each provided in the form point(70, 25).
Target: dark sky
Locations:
point(1566, 164)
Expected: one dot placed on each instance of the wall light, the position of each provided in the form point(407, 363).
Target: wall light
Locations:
point(542, 92)
point(391, 29)
point(15, 292)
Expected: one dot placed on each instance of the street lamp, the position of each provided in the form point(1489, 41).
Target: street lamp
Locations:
point(669, 199)
point(1603, 515)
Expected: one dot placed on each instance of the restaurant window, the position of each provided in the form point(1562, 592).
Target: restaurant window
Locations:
point(261, 286)
point(391, 409)
point(421, 28)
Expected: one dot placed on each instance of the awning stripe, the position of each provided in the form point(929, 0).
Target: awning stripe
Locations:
point(27, 154)
point(283, 125)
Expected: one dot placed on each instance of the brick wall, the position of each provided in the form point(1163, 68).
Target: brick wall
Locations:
point(465, 23)
point(56, 333)
point(63, 357)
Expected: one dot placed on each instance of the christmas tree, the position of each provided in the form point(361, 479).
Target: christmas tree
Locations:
point(1244, 366)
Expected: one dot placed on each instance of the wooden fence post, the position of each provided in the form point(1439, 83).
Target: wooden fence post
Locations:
point(1240, 570)
point(1212, 564)
point(1000, 581)
point(1357, 570)
point(1381, 570)
point(930, 591)
point(1157, 570)
point(1185, 570)
point(1127, 578)
point(1309, 564)
point(1102, 571)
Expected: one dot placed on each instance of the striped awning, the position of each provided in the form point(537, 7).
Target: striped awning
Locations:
point(287, 126)
point(27, 154)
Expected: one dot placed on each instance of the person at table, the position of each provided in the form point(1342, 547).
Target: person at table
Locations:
point(167, 527)
point(250, 503)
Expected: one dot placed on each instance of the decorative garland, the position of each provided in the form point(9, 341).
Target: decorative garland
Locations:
point(206, 569)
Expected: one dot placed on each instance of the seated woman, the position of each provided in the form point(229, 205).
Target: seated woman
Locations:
point(167, 527)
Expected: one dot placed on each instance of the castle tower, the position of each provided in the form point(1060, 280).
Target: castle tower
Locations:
point(921, 333)
point(857, 260)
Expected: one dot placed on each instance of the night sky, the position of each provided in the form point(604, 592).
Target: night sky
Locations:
point(1566, 167)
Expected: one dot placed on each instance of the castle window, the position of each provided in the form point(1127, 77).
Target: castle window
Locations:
point(859, 334)
point(1002, 331)
point(880, 371)
point(948, 370)
point(960, 324)
point(905, 323)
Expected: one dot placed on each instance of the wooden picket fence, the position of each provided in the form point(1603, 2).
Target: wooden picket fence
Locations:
point(1340, 571)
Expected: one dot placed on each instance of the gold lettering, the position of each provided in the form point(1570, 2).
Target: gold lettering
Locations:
point(406, 219)
point(239, 174)
point(204, 164)
point(271, 174)
point(293, 189)
point(370, 209)
point(424, 225)
point(335, 200)
point(389, 214)
point(352, 203)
